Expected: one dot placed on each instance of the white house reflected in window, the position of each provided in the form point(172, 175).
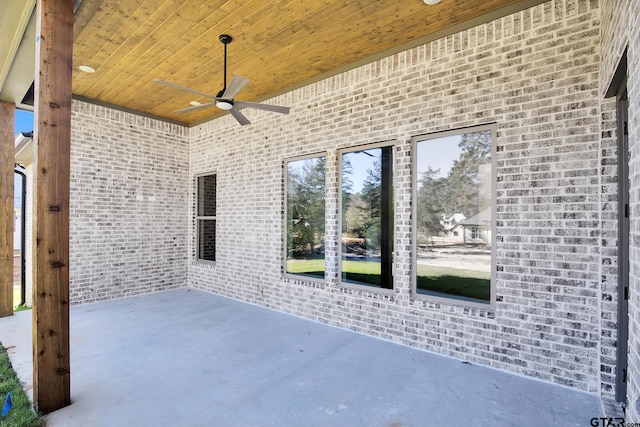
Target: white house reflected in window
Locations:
point(453, 178)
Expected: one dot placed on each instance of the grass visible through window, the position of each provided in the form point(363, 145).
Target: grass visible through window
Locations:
point(454, 281)
point(306, 267)
point(451, 281)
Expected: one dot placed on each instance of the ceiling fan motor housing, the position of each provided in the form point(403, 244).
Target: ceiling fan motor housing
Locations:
point(224, 104)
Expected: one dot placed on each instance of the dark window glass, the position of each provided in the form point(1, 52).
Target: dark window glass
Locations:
point(206, 218)
point(207, 195)
point(207, 239)
point(367, 217)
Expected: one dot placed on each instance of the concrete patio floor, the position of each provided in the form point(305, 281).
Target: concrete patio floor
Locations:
point(190, 358)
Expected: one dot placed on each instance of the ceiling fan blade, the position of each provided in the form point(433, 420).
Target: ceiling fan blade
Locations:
point(195, 107)
point(239, 116)
point(173, 85)
point(259, 106)
point(235, 86)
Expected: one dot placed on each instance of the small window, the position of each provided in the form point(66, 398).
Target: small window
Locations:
point(305, 222)
point(206, 218)
point(367, 216)
point(453, 215)
point(474, 233)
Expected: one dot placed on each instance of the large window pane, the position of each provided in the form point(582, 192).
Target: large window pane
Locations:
point(305, 206)
point(367, 217)
point(454, 215)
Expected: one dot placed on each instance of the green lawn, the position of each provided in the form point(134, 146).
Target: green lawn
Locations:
point(361, 271)
point(16, 300)
point(450, 281)
point(307, 267)
point(21, 415)
point(454, 281)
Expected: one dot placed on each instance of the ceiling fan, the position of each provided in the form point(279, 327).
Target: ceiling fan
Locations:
point(225, 98)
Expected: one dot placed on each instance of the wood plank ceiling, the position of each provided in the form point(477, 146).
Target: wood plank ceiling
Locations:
point(277, 45)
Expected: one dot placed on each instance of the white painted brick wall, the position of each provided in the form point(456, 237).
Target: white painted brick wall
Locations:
point(620, 31)
point(616, 15)
point(634, 171)
point(633, 86)
point(609, 249)
point(129, 213)
point(535, 73)
point(28, 277)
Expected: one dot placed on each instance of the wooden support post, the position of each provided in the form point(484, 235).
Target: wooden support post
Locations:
point(7, 158)
point(54, 44)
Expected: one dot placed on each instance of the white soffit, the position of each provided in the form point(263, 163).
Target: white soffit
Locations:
point(24, 149)
point(16, 66)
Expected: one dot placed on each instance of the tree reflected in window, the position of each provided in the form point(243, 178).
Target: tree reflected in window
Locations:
point(305, 207)
point(367, 217)
point(454, 188)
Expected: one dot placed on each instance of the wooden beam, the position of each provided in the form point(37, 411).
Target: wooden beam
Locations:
point(51, 364)
point(7, 156)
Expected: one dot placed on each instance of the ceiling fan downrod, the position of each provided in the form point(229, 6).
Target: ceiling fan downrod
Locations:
point(225, 39)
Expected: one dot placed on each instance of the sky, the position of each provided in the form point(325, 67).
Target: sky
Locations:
point(361, 163)
point(438, 153)
point(24, 121)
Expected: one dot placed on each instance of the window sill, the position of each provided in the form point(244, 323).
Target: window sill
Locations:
point(453, 300)
point(290, 277)
point(203, 263)
point(366, 288)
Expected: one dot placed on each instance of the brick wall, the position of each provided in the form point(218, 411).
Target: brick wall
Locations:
point(616, 15)
point(535, 74)
point(129, 213)
point(609, 249)
point(633, 85)
point(620, 20)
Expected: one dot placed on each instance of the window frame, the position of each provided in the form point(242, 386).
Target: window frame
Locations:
point(199, 218)
point(285, 228)
point(452, 299)
point(340, 153)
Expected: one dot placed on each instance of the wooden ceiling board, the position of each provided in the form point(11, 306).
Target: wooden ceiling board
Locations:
point(244, 58)
point(209, 44)
point(317, 35)
point(207, 75)
point(100, 48)
point(277, 44)
point(141, 47)
point(83, 14)
point(128, 25)
point(157, 54)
